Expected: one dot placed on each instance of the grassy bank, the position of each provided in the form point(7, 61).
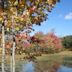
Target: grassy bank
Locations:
point(64, 57)
point(55, 56)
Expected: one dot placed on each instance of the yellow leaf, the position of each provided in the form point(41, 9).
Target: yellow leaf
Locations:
point(1, 19)
point(8, 29)
point(17, 28)
point(16, 3)
point(50, 2)
point(21, 19)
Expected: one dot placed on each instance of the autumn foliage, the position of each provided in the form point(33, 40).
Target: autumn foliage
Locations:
point(53, 42)
point(17, 15)
point(48, 43)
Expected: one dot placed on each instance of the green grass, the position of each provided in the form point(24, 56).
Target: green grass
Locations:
point(64, 58)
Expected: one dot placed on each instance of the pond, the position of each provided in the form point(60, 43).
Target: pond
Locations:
point(64, 69)
point(30, 67)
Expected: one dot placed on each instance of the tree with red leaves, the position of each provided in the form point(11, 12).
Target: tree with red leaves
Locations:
point(53, 42)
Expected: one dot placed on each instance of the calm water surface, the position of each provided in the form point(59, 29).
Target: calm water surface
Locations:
point(64, 69)
point(29, 67)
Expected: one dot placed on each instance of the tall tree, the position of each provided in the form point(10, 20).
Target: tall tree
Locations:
point(16, 15)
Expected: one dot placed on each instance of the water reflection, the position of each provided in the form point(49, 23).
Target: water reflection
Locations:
point(28, 67)
point(64, 69)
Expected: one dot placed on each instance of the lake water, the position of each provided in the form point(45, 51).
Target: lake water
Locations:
point(64, 69)
point(29, 67)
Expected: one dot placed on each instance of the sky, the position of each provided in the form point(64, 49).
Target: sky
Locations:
point(59, 20)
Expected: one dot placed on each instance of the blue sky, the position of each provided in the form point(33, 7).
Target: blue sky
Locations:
point(60, 19)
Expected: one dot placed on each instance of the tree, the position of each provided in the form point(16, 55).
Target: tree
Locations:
point(22, 42)
point(35, 45)
point(40, 36)
point(16, 15)
point(46, 42)
point(67, 42)
point(53, 43)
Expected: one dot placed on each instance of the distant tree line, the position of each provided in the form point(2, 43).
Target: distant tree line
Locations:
point(67, 42)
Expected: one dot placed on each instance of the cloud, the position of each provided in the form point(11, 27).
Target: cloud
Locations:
point(69, 16)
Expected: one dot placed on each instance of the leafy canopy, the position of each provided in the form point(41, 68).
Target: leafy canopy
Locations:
point(17, 14)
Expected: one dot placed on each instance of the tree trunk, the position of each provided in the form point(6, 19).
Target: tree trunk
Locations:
point(13, 58)
point(3, 50)
point(11, 62)
point(13, 50)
